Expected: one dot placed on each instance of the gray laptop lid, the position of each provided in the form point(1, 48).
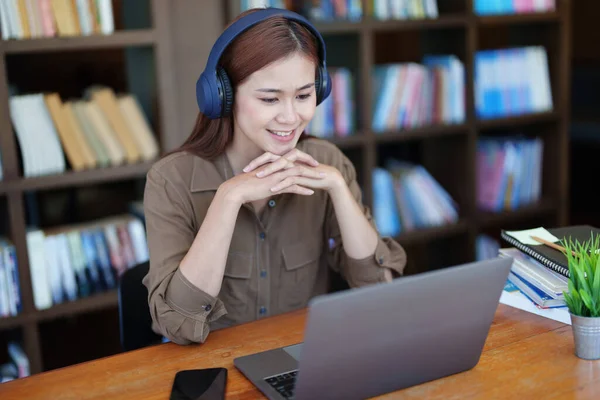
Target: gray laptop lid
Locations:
point(381, 338)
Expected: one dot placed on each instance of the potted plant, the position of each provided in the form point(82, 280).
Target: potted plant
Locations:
point(583, 296)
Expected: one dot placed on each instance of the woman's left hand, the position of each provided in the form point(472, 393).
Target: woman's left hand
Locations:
point(331, 178)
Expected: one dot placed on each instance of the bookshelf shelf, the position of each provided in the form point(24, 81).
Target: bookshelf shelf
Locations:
point(7, 323)
point(79, 178)
point(94, 302)
point(527, 119)
point(338, 27)
point(544, 206)
point(70, 65)
point(519, 18)
point(349, 142)
point(123, 38)
point(443, 22)
point(433, 233)
point(420, 133)
point(100, 301)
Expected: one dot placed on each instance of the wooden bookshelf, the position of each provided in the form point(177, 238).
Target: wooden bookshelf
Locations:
point(141, 37)
point(79, 178)
point(519, 18)
point(420, 133)
point(152, 34)
point(437, 232)
point(364, 147)
point(475, 33)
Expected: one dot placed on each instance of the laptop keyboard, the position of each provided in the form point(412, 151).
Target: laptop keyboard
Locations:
point(284, 383)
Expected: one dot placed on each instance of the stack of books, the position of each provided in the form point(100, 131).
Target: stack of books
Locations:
point(17, 364)
point(74, 261)
point(509, 172)
point(29, 19)
point(411, 95)
point(539, 274)
point(10, 292)
point(335, 115)
point(512, 82)
point(101, 129)
point(503, 7)
point(407, 197)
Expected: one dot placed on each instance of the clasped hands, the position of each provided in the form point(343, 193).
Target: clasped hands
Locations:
point(294, 172)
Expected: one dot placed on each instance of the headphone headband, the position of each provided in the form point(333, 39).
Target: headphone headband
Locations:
point(249, 21)
point(214, 92)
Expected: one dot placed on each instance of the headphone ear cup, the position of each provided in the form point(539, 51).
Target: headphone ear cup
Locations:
point(318, 86)
point(226, 92)
point(322, 85)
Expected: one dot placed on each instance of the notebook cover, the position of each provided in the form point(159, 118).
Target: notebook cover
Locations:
point(551, 258)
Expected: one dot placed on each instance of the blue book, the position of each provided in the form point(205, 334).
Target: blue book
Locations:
point(385, 212)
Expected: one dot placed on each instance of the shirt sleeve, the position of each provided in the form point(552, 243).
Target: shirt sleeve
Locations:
point(388, 253)
point(180, 311)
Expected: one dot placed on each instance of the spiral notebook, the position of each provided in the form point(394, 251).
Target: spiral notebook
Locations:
point(549, 257)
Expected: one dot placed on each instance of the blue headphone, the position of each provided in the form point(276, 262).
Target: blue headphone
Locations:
point(214, 93)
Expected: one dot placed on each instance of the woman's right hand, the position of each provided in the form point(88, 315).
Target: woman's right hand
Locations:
point(247, 187)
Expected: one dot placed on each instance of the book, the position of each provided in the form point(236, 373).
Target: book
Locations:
point(535, 294)
point(547, 256)
point(513, 297)
point(550, 282)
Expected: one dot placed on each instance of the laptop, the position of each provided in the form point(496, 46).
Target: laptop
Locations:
point(376, 339)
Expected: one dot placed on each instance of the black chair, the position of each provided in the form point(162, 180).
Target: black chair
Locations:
point(135, 322)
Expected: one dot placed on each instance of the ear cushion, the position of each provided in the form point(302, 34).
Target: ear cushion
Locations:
point(322, 85)
point(318, 86)
point(226, 92)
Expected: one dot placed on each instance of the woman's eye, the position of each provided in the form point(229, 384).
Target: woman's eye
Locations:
point(304, 96)
point(269, 100)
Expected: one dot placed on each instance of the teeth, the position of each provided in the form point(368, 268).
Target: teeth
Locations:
point(281, 133)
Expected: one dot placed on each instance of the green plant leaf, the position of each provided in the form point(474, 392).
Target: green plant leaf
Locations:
point(587, 300)
point(577, 304)
point(596, 284)
point(582, 282)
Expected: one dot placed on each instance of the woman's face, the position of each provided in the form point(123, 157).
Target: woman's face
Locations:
point(274, 105)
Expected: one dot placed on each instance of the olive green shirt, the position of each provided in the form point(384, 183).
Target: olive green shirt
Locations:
point(277, 260)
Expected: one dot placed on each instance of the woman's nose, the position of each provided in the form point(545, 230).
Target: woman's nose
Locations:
point(288, 114)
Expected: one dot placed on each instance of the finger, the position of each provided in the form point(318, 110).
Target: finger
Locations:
point(280, 164)
point(298, 190)
point(263, 159)
point(298, 180)
point(300, 170)
point(297, 155)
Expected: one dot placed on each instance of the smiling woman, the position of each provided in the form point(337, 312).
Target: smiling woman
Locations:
point(218, 255)
point(276, 45)
point(273, 108)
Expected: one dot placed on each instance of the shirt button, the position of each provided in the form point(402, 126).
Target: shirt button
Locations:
point(263, 273)
point(207, 307)
point(272, 203)
point(262, 310)
point(380, 260)
point(262, 236)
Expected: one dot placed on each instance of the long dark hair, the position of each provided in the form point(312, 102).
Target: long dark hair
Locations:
point(259, 46)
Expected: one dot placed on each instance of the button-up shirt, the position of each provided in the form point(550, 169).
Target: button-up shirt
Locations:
point(277, 260)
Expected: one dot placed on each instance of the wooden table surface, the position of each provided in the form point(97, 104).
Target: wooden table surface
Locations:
point(525, 356)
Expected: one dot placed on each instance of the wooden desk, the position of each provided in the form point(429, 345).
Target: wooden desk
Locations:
point(525, 356)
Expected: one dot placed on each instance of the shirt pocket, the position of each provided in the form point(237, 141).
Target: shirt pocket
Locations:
point(301, 264)
point(235, 289)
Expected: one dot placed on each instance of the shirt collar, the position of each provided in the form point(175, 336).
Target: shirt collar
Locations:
point(209, 175)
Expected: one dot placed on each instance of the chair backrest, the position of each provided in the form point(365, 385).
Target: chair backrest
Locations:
point(135, 322)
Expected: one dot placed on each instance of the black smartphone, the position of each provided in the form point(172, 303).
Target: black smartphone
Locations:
point(200, 384)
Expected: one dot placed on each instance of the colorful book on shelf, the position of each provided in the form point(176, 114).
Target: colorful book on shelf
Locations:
point(548, 256)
